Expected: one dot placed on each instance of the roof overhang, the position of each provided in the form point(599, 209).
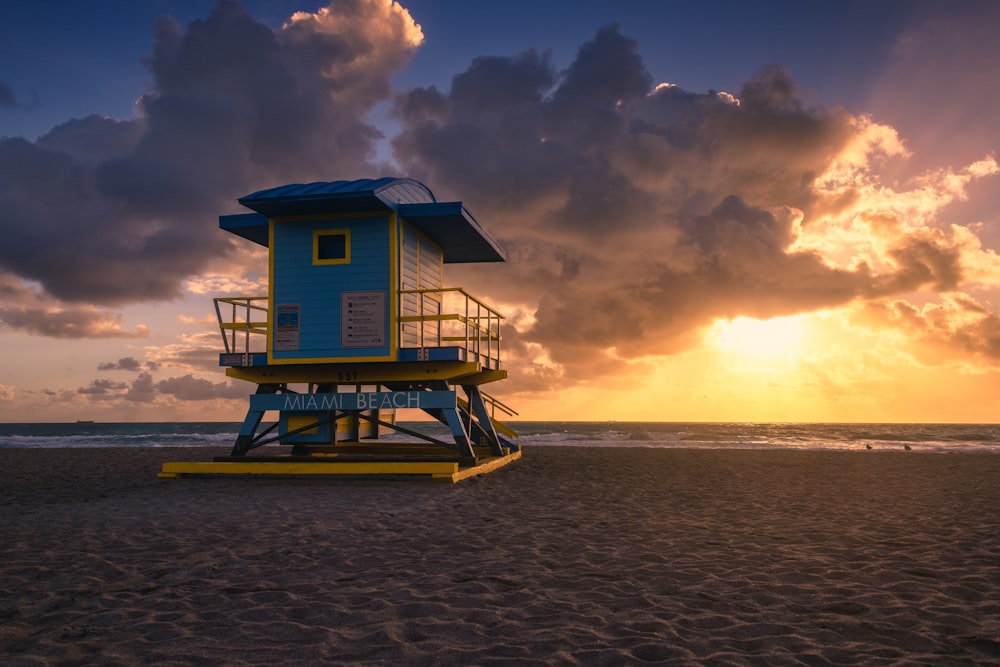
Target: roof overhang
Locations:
point(251, 226)
point(452, 226)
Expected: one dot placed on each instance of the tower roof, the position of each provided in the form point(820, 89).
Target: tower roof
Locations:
point(449, 224)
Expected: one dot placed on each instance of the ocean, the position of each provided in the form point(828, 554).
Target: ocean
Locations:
point(918, 437)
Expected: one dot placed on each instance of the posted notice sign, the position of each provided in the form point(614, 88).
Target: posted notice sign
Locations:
point(286, 327)
point(362, 319)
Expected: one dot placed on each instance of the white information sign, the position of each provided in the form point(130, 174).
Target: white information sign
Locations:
point(362, 319)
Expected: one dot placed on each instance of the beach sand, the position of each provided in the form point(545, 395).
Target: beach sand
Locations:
point(568, 556)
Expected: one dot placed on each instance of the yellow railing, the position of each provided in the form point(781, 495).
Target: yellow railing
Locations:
point(441, 317)
point(451, 317)
point(241, 321)
point(496, 404)
point(493, 404)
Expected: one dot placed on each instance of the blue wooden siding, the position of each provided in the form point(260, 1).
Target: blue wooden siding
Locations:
point(317, 289)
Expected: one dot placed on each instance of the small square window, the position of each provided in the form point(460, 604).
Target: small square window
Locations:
point(332, 247)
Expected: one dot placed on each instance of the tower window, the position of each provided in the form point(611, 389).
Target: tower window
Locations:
point(332, 246)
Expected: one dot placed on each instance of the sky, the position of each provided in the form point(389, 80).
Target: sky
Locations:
point(712, 211)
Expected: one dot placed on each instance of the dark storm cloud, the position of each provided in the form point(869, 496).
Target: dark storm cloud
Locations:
point(33, 312)
point(78, 322)
point(738, 264)
point(92, 140)
point(634, 214)
point(111, 212)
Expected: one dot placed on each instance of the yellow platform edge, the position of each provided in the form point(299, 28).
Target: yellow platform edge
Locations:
point(439, 471)
point(481, 469)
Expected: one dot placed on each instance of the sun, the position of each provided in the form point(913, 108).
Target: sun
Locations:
point(751, 338)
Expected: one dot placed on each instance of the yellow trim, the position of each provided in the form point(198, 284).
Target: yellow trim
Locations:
point(438, 471)
point(346, 259)
point(481, 469)
point(362, 372)
point(253, 327)
point(171, 470)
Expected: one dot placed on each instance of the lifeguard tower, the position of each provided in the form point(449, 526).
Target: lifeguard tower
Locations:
point(357, 326)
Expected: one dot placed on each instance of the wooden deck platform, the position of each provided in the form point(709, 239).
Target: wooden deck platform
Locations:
point(351, 463)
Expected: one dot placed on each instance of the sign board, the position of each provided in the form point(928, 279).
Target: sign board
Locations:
point(349, 400)
point(362, 319)
point(286, 326)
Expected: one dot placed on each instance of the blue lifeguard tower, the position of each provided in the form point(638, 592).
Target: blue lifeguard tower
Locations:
point(358, 325)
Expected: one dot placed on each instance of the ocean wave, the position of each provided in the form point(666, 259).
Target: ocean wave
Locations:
point(916, 437)
point(14, 442)
point(48, 436)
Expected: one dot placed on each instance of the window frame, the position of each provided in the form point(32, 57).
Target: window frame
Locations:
point(346, 259)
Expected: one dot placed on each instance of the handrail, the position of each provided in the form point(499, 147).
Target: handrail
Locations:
point(461, 290)
point(492, 405)
point(474, 322)
point(496, 404)
point(241, 321)
point(458, 320)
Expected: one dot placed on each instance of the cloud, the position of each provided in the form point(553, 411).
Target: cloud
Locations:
point(77, 322)
point(31, 311)
point(209, 320)
point(196, 351)
point(141, 390)
point(190, 388)
point(123, 364)
point(635, 215)
point(146, 389)
point(101, 388)
point(109, 212)
point(958, 329)
point(215, 283)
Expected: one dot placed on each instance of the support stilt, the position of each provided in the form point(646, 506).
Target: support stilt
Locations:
point(245, 439)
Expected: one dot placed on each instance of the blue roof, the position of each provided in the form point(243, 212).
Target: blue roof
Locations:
point(449, 224)
point(338, 196)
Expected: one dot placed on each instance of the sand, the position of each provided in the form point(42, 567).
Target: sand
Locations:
point(570, 556)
